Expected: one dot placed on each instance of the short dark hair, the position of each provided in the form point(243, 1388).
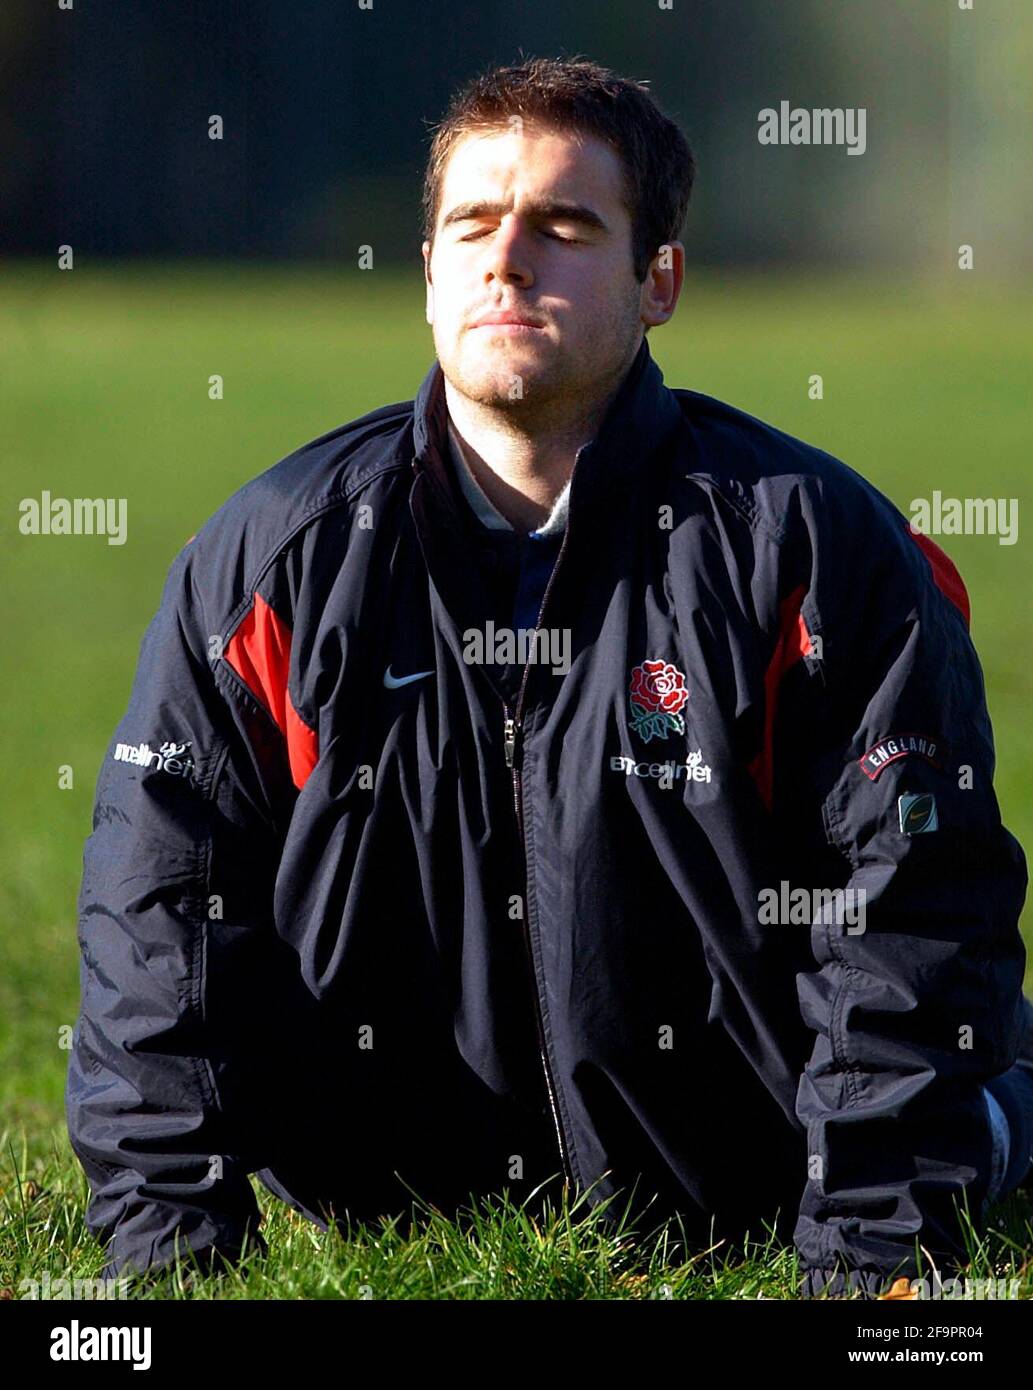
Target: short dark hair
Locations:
point(579, 95)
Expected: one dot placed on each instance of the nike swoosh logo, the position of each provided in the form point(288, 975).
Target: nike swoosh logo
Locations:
point(396, 682)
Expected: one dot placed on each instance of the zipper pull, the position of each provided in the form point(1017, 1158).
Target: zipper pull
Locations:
point(509, 742)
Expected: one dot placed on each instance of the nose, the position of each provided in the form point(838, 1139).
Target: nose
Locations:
point(510, 259)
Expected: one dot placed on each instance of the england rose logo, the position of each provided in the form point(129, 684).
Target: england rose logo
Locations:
point(658, 693)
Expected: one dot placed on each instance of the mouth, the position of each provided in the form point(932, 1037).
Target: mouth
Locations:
point(511, 328)
point(509, 321)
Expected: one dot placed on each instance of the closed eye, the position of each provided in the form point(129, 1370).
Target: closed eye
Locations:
point(553, 236)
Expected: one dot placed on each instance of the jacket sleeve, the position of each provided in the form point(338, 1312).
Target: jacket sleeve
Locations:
point(915, 1002)
point(173, 927)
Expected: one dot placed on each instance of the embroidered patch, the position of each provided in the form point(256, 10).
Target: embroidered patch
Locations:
point(917, 813)
point(658, 694)
point(888, 750)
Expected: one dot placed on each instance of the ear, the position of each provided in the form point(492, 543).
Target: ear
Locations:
point(430, 288)
point(663, 284)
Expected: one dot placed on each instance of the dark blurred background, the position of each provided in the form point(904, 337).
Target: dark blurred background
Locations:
point(327, 110)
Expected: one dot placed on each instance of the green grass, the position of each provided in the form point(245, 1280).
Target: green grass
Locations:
point(104, 392)
point(493, 1249)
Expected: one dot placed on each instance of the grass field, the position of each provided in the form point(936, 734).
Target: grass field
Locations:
point(104, 393)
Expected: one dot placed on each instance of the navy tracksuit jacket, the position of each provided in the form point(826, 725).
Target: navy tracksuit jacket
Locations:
point(373, 919)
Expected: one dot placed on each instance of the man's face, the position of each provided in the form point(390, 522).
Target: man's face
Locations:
point(531, 220)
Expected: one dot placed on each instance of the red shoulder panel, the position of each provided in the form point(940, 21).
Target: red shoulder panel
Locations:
point(945, 572)
point(260, 653)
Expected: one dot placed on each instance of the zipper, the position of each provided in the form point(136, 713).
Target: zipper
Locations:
point(511, 747)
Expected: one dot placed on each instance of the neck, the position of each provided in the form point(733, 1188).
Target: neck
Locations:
point(521, 469)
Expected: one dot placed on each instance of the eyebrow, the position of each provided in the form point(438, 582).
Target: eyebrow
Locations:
point(541, 208)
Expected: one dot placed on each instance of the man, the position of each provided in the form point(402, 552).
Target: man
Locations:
point(384, 899)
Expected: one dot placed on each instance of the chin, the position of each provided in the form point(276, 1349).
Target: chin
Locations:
point(489, 393)
point(499, 362)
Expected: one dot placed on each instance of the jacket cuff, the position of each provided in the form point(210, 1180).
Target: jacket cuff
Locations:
point(132, 1263)
point(830, 1283)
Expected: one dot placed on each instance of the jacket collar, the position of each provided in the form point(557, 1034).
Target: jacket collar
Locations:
point(608, 487)
point(642, 416)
